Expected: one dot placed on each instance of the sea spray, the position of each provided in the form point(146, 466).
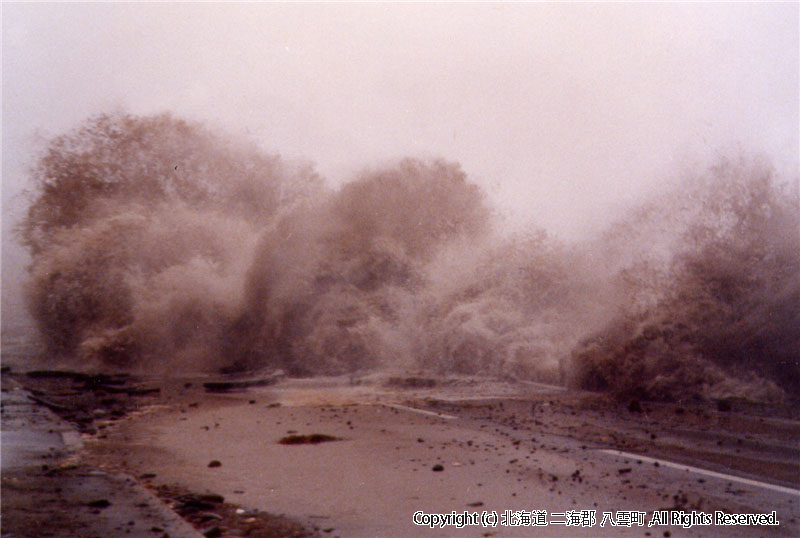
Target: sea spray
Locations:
point(157, 243)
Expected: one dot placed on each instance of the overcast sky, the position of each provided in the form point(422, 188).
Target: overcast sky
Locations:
point(560, 111)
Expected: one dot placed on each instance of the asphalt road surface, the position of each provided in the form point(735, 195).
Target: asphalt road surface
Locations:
point(48, 490)
point(399, 454)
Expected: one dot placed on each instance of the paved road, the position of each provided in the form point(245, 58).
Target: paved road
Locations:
point(47, 489)
point(499, 449)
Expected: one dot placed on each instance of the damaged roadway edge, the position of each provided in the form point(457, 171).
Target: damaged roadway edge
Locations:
point(48, 491)
point(49, 486)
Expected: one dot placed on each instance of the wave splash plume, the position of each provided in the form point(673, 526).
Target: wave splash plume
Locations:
point(158, 243)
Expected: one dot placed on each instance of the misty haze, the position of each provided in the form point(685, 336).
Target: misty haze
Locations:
point(550, 262)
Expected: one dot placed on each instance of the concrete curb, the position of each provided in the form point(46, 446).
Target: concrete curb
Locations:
point(35, 443)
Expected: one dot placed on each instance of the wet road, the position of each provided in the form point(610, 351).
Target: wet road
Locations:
point(31, 433)
point(47, 489)
point(514, 454)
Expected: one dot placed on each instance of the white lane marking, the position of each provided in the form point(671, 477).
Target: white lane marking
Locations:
point(698, 470)
point(786, 421)
point(420, 411)
point(542, 386)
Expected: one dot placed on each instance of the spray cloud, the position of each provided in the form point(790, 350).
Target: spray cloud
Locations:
point(158, 243)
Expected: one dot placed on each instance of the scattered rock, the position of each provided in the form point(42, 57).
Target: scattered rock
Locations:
point(207, 511)
point(100, 503)
point(634, 406)
point(208, 516)
point(192, 503)
point(215, 463)
point(313, 439)
point(437, 468)
point(213, 532)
